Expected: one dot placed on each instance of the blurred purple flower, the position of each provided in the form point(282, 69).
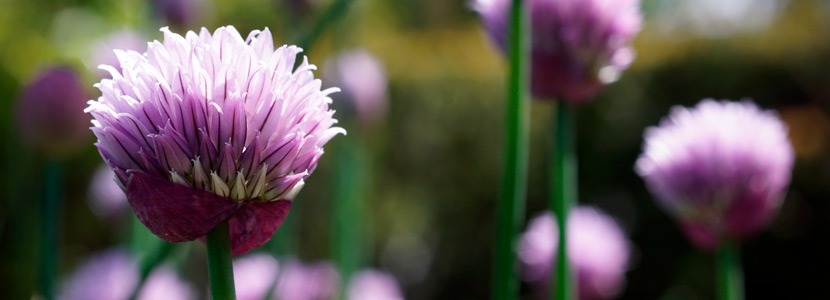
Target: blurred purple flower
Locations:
point(178, 13)
point(720, 168)
point(50, 112)
point(597, 247)
point(103, 52)
point(254, 275)
point(363, 80)
point(210, 128)
point(301, 7)
point(112, 275)
point(164, 284)
point(577, 46)
point(297, 281)
point(106, 198)
point(373, 285)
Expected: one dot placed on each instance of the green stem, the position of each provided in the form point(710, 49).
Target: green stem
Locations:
point(563, 181)
point(149, 263)
point(514, 186)
point(53, 188)
point(730, 276)
point(347, 239)
point(220, 266)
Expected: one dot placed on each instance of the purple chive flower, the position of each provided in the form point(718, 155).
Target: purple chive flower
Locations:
point(207, 128)
point(103, 52)
point(49, 113)
point(597, 248)
point(113, 275)
point(720, 168)
point(363, 80)
point(577, 46)
point(178, 13)
point(106, 198)
point(254, 275)
point(373, 285)
point(298, 281)
point(301, 7)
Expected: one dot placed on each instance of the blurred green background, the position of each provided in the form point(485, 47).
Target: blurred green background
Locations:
point(434, 162)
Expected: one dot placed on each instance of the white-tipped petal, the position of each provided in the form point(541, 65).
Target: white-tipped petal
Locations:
point(219, 187)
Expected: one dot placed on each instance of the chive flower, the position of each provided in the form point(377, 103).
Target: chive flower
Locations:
point(212, 127)
point(178, 13)
point(256, 275)
point(106, 198)
point(720, 168)
point(577, 46)
point(373, 285)
point(597, 248)
point(362, 77)
point(113, 275)
point(49, 112)
point(314, 281)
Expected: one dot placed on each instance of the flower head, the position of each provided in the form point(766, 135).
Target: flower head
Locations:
point(373, 285)
point(299, 281)
point(178, 13)
point(577, 46)
point(209, 127)
point(597, 248)
point(720, 168)
point(50, 114)
point(363, 80)
point(112, 275)
point(254, 275)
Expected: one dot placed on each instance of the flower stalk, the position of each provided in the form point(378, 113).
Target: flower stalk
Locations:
point(563, 184)
point(347, 207)
point(330, 15)
point(220, 266)
point(514, 186)
point(53, 186)
point(730, 277)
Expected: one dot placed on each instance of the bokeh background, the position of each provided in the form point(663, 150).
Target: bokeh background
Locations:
point(431, 166)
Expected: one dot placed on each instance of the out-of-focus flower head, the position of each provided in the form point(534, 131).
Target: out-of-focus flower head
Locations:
point(212, 127)
point(254, 275)
point(577, 46)
point(164, 284)
point(301, 7)
point(316, 281)
point(178, 13)
point(103, 52)
point(363, 80)
point(597, 248)
point(106, 198)
point(50, 112)
point(112, 275)
point(373, 285)
point(720, 168)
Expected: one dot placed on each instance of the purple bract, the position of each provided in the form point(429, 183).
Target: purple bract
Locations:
point(209, 127)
